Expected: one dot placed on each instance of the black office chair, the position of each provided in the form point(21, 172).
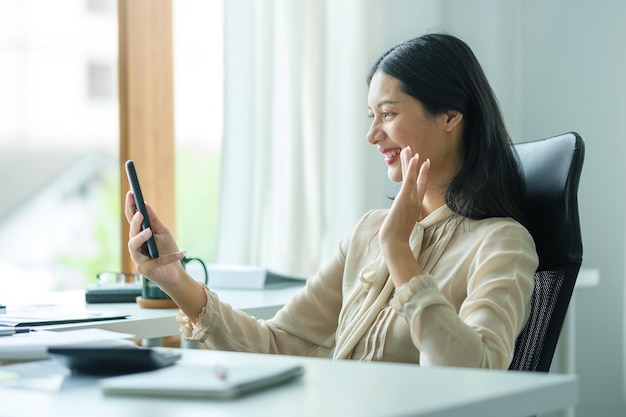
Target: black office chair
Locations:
point(552, 169)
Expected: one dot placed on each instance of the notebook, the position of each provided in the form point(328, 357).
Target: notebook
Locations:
point(217, 382)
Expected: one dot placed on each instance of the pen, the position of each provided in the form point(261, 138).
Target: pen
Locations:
point(14, 330)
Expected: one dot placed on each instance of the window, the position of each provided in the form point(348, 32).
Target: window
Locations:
point(59, 216)
point(101, 6)
point(101, 81)
point(197, 28)
point(59, 139)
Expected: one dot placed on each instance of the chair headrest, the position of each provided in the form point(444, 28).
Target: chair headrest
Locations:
point(552, 169)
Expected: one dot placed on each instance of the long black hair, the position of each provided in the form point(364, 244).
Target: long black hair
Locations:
point(442, 72)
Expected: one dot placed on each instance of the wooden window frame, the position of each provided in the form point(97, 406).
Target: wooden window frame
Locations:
point(146, 103)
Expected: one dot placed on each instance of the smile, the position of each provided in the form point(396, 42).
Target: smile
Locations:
point(391, 155)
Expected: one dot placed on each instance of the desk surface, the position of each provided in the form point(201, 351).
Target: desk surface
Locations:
point(328, 388)
point(148, 323)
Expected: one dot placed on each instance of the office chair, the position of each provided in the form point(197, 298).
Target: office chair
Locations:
point(552, 169)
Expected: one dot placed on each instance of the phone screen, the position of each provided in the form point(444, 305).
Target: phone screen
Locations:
point(152, 249)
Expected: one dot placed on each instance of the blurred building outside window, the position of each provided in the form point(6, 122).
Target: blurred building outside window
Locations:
point(60, 209)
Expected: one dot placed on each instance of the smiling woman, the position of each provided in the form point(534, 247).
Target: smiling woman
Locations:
point(428, 281)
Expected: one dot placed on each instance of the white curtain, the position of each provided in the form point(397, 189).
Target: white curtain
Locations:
point(297, 172)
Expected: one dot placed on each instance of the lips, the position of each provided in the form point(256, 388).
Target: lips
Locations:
point(391, 155)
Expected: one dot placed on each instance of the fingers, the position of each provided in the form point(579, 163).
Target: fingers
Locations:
point(409, 162)
point(406, 156)
point(136, 240)
point(422, 179)
point(157, 226)
point(414, 174)
point(129, 206)
point(143, 263)
point(167, 259)
point(135, 224)
point(130, 211)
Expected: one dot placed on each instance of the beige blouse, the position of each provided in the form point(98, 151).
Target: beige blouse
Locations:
point(465, 310)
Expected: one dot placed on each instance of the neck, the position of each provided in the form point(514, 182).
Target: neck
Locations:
point(433, 199)
point(438, 182)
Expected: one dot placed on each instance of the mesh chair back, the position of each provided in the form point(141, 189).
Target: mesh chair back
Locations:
point(552, 169)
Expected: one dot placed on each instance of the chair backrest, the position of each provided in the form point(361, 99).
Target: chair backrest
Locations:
point(552, 169)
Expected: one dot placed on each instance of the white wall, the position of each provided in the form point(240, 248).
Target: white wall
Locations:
point(559, 66)
point(575, 62)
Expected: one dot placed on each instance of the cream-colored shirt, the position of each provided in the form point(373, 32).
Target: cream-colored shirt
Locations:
point(465, 310)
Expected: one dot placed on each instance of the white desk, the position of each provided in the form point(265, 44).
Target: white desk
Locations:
point(148, 323)
point(328, 388)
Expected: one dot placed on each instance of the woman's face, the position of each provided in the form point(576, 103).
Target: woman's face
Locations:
point(399, 120)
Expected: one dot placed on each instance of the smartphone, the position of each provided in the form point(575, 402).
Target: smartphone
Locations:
point(152, 249)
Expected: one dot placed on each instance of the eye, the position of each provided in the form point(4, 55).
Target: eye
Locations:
point(387, 114)
point(370, 115)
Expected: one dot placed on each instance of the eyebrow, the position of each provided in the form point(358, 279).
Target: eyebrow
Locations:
point(384, 102)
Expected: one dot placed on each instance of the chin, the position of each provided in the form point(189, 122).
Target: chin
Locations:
point(394, 175)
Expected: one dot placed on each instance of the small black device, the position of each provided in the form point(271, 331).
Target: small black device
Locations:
point(113, 361)
point(112, 293)
point(152, 249)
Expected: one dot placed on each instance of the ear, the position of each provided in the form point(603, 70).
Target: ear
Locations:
point(453, 119)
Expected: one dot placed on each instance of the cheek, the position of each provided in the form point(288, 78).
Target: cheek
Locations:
point(420, 140)
point(407, 136)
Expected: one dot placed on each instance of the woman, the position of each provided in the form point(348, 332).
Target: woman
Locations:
point(444, 277)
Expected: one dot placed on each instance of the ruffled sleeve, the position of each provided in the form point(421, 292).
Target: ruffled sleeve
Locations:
point(199, 329)
point(304, 326)
point(404, 298)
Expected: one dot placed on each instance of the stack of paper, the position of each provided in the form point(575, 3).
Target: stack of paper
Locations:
point(45, 314)
point(34, 345)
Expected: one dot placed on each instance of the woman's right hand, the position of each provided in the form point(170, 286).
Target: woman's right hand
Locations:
point(166, 271)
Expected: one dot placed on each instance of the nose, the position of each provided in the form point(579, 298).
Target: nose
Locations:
point(373, 134)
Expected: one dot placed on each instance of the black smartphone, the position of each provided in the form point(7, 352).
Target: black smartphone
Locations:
point(152, 249)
